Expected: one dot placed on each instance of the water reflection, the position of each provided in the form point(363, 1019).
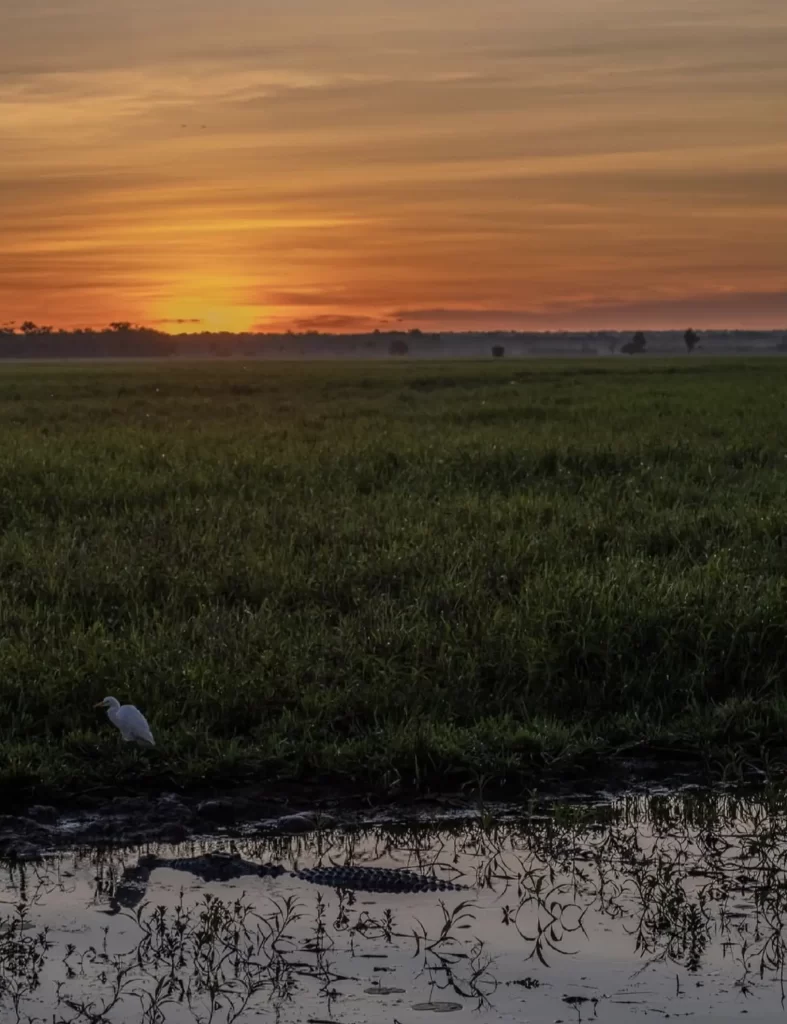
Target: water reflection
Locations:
point(673, 904)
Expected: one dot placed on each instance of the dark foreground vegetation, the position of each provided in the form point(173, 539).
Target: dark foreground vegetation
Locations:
point(390, 576)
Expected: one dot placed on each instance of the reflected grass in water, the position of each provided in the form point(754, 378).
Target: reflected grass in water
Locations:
point(681, 889)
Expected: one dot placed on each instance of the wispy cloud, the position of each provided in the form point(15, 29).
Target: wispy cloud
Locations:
point(718, 309)
point(177, 320)
point(341, 324)
point(257, 162)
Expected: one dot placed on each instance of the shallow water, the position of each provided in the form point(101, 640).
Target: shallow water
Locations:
point(670, 906)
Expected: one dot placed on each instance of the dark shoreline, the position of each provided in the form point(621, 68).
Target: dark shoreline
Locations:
point(170, 817)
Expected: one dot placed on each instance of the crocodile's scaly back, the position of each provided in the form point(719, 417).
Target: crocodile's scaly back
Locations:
point(375, 879)
point(222, 867)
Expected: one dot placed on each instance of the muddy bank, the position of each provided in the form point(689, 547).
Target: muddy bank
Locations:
point(166, 818)
point(172, 817)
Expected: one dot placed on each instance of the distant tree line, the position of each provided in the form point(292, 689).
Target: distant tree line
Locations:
point(120, 339)
point(123, 339)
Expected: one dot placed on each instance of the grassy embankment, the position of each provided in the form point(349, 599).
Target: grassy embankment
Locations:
point(359, 574)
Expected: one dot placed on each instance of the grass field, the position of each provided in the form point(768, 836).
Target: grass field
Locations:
point(432, 574)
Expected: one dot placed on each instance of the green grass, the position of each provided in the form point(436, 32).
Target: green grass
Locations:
point(361, 574)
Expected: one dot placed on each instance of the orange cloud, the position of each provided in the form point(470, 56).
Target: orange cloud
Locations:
point(244, 164)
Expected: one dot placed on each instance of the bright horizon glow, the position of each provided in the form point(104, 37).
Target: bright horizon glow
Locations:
point(490, 164)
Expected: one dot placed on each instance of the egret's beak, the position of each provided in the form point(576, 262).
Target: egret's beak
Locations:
point(99, 705)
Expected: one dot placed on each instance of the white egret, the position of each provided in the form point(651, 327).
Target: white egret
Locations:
point(129, 720)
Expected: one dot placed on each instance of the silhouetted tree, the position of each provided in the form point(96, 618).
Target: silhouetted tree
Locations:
point(692, 339)
point(637, 344)
point(28, 327)
point(398, 347)
point(498, 351)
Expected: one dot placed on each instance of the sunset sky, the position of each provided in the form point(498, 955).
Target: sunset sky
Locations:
point(350, 164)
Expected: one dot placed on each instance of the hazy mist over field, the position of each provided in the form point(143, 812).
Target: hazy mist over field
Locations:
point(126, 341)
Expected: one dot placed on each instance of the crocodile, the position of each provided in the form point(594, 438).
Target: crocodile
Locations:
point(223, 867)
point(212, 867)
